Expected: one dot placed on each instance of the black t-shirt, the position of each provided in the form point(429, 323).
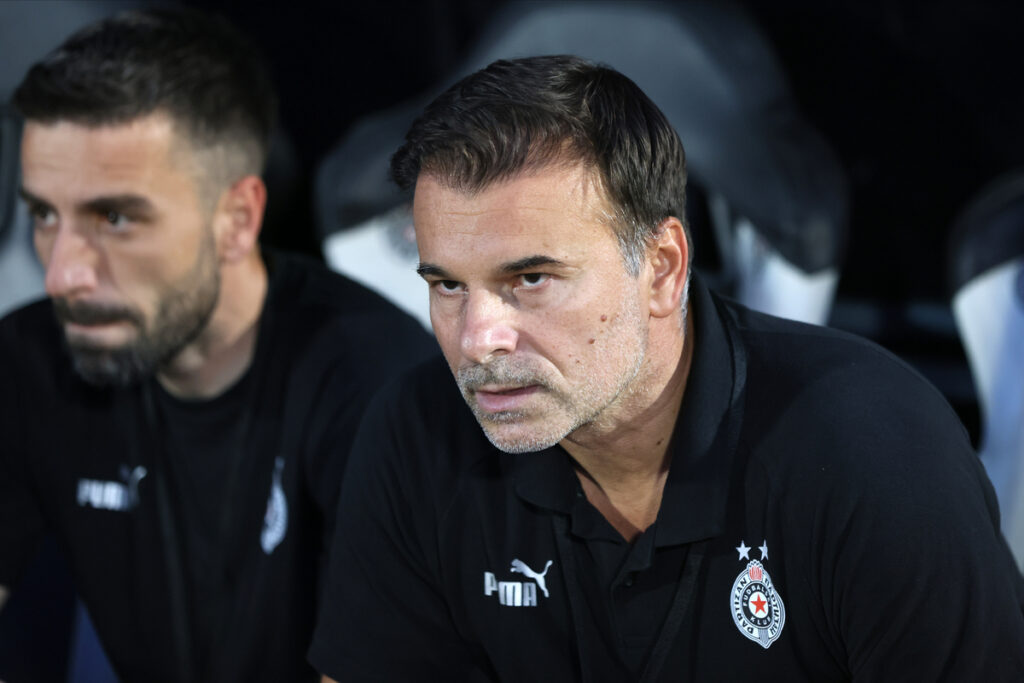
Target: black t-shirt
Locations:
point(198, 528)
point(824, 519)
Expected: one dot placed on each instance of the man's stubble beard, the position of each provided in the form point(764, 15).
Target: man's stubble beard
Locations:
point(588, 404)
point(183, 312)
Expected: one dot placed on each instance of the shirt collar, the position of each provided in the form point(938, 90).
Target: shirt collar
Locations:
point(694, 502)
point(693, 505)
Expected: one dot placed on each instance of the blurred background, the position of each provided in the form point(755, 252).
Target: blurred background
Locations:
point(857, 164)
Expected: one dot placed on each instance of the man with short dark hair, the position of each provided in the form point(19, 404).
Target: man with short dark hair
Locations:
point(667, 486)
point(179, 411)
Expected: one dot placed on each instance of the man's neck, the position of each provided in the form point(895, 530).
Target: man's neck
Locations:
point(623, 469)
point(223, 352)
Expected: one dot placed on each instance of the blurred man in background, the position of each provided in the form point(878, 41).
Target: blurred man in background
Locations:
point(179, 410)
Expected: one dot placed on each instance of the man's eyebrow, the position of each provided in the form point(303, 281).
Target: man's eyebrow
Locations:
point(530, 262)
point(429, 269)
point(517, 266)
point(121, 203)
point(31, 198)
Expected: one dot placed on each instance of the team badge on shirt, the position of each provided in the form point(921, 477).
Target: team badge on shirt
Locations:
point(756, 606)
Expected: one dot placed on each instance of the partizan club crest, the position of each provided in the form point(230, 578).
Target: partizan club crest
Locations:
point(757, 608)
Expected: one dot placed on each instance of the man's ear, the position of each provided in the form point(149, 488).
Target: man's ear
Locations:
point(239, 218)
point(668, 258)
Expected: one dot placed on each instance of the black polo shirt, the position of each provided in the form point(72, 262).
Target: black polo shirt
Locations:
point(218, 579)
point(824, 519)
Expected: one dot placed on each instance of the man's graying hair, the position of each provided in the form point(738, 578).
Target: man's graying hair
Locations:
point(520, 115)
point(196, 68)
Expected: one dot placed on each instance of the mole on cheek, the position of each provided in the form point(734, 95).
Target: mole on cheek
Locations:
point(591, 341)
point(604, 318)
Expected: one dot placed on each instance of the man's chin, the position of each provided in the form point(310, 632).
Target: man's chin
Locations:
point(120, 367)
point(511, 437)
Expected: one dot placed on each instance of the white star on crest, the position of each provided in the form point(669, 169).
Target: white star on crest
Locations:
point(743, 550)
point(764, 550)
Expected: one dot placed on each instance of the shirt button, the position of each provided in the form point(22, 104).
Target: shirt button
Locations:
point(629, 581)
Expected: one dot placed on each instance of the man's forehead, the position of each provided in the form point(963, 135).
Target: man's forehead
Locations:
point(156, 127)
point(568, 190)
point(552, 219)
point(66, 161)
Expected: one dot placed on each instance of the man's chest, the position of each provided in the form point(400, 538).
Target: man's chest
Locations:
point(537, 594)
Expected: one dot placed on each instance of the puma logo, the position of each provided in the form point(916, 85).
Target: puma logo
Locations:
point(112, 495)
point(522, 568)
point(518, 593)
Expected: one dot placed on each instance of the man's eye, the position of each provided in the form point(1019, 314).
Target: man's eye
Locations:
point(115, 220)
point(532, 280)
point(448, 286)
point(42, 216)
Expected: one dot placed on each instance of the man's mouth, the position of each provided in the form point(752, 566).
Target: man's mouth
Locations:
point(496, 399)
point(99, 334)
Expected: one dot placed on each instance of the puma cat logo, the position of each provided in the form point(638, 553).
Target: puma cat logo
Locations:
point(518, 593)
point(522, 568)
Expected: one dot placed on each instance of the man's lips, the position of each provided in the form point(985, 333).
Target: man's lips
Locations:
point(495, 399)
point(102, 334)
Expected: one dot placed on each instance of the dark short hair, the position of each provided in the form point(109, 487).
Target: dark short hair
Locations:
point(523, 114)
point(194, 67)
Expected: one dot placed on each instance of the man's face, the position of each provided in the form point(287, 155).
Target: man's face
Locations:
point(542, 326)
point(129, 252)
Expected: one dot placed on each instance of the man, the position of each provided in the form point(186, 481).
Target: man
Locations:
point(667, 486)
point(180, 409)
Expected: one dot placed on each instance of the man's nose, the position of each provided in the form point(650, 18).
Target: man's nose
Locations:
point(70, 262)
point(488, 327)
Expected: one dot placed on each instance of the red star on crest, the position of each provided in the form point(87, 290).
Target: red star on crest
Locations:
point(759, 604)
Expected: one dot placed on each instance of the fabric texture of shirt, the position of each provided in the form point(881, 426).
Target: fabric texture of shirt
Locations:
point(824, 519)
point(220, 581)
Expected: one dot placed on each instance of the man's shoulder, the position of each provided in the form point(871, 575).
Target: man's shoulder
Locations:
point(301, 282)
point(319, 308)
point(789, 360)
point(428, 395)
point(816, 390)
point(35, 315)
point(34, 363)
point(424, 417)
point(30, 332)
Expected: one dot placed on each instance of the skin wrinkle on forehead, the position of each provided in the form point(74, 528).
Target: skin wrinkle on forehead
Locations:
point(589, 185)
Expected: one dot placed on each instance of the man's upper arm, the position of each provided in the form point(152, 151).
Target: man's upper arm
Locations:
point(920, 582)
